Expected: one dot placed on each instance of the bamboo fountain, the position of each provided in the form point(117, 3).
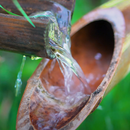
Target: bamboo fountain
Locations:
point(101, 46)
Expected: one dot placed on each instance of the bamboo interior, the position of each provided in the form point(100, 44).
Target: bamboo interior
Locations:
point(87, 44)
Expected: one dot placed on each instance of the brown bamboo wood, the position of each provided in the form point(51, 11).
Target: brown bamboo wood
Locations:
point(17, 35)
point(104, 30)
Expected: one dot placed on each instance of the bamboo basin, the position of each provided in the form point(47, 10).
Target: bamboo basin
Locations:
point(100, 46)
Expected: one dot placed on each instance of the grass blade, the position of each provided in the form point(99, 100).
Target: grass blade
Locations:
point(8, 11)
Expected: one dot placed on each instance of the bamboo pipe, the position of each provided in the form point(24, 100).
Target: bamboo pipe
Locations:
point(17, 35)
point(105, 30)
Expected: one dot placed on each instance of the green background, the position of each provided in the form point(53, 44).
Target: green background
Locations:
point(112, 114)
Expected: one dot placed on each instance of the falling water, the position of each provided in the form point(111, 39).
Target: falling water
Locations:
point(66, 61)
point(58, 46)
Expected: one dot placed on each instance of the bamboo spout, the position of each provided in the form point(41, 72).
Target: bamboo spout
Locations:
point(105, 31)
point(17, 35)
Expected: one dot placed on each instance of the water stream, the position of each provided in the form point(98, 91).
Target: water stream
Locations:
point(58, 46)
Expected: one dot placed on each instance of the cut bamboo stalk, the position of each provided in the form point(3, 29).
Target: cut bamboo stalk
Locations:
point(104, 31)
point(17, 35)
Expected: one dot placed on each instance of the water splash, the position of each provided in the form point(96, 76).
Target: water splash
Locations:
point(67, 63)
point(18, 82)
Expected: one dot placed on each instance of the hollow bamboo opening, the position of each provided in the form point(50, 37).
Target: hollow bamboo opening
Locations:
point(92, 47)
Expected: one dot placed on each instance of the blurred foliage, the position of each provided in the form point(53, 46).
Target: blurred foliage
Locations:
point(115, 106)
point(84, 6)
point(9, 68)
